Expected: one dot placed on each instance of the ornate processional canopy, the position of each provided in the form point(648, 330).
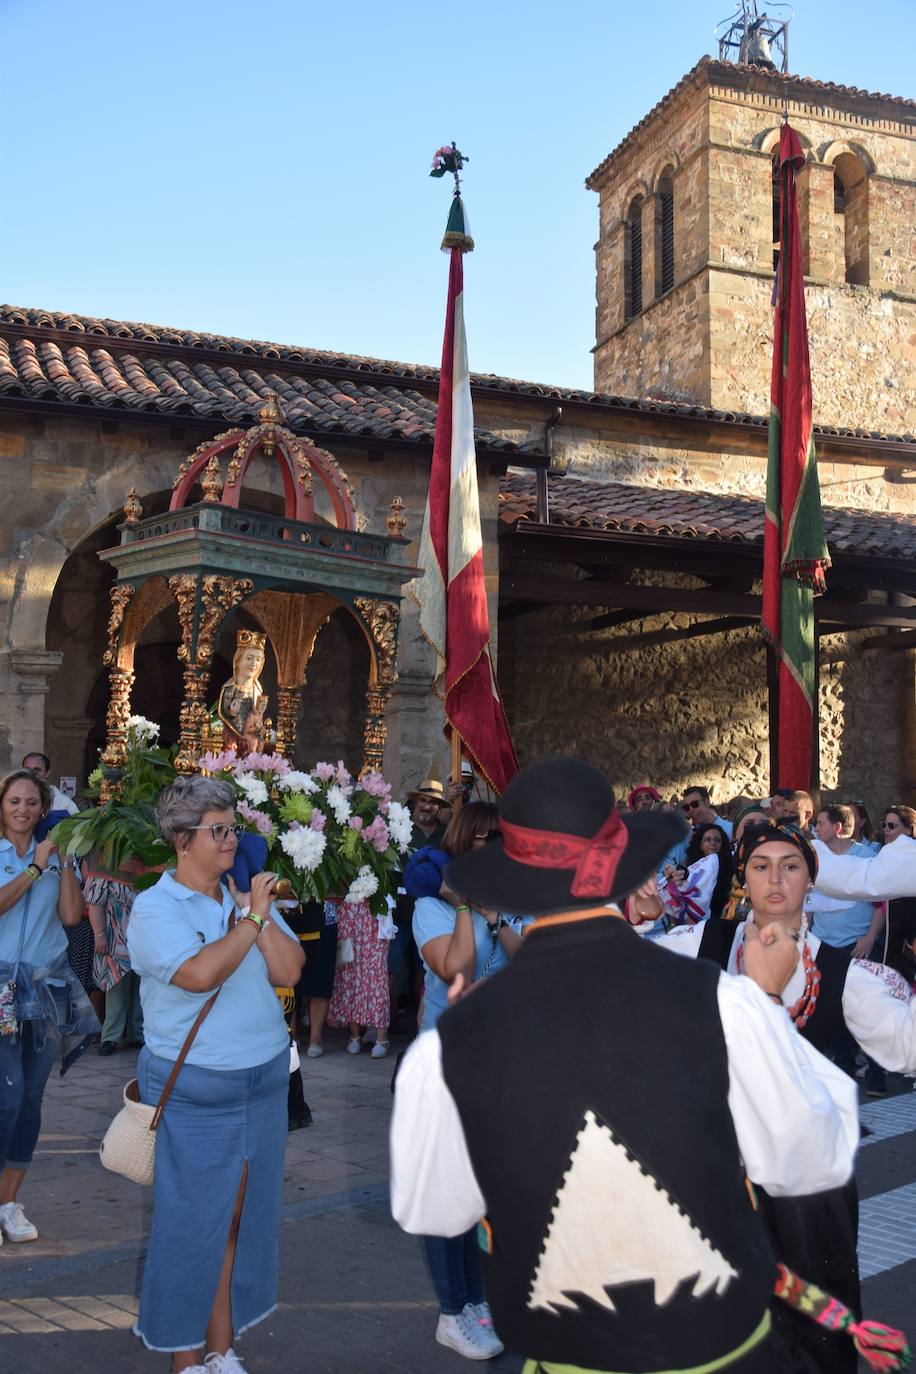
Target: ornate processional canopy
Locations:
point(210, 553)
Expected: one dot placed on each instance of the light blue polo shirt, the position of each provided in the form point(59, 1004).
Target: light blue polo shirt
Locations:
point(45, 938)
point(169, 924)
point(841, 923)
point(433, 916)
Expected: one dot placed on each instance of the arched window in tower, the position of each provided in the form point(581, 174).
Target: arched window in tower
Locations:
point(664, 235)
point(850, 209)
point(632, 261)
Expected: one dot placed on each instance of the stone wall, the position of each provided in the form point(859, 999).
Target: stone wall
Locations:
point(65, 481)
point(647, 707)
point(710, 339)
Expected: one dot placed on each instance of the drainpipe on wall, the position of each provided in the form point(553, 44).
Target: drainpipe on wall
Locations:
point(543, 505)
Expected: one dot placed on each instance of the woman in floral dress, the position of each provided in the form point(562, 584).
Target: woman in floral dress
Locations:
point(360, 997)
point(108, 905)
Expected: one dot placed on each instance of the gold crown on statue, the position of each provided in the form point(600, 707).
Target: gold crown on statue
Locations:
point(250, 639)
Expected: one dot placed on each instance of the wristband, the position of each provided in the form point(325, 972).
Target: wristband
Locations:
point(462, 906)
point(259, 922)
point(34, 871)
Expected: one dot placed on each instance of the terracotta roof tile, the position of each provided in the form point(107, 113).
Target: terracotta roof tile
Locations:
point(106, 365)
point(695, 515)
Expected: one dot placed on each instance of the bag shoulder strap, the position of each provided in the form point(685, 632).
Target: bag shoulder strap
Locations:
point(22, 926)
point(182, 1056)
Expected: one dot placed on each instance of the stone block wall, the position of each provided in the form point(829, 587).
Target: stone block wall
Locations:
point(646, 707)
point(710, 339)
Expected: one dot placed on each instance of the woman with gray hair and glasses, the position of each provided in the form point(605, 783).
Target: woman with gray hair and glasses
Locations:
point(212, 1264)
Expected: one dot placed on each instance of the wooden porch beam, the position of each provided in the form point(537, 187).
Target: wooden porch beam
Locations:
point(612, 618)
point(561, 592)
point(677, 634)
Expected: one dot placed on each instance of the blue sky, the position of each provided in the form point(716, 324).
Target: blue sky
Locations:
point(262, 169)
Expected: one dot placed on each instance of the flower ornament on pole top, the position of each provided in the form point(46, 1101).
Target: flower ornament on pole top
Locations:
point(449, 159)
point(457, 230)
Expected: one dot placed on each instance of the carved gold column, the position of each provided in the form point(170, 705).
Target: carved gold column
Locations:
point(121, 680)
point(382, 619)
point(218, 596)
point(289, 701)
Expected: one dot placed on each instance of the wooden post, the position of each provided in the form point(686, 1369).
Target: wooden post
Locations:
point(773, 715)
point(815, 783)
point(458, 801)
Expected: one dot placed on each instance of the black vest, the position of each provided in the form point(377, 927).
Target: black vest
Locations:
point(578, 1120)
point(816, 1235)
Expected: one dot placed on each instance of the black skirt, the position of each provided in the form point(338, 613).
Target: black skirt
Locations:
point(319, 944)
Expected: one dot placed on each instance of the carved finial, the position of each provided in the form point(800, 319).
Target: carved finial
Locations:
point(132, 508)
point(270, 414)
point(212, 480)
point(397, 520)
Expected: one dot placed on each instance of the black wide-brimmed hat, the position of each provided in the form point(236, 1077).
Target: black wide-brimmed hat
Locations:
point(564, 845)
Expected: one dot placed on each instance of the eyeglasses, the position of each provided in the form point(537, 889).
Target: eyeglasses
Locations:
point(220, 832)
point(691, 805)
point(891, 825)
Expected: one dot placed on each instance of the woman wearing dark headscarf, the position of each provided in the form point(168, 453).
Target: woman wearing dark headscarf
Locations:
point(814, 1235)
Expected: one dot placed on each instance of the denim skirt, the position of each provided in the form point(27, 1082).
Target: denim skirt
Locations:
point(214, 1123)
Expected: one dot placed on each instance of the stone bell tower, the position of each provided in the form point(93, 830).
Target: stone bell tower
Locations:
point(686, 251)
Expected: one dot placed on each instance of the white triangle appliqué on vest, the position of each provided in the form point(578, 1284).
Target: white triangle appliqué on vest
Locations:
point(613, 1224)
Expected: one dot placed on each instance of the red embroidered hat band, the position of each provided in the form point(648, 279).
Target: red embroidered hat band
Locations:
point(595, 860)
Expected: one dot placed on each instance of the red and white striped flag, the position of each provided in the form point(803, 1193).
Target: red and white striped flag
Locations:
point(451, 592)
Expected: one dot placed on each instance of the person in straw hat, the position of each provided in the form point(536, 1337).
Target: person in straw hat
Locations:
point(613, 1186)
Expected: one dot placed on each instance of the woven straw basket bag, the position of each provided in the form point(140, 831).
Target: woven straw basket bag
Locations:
point(129, 1145)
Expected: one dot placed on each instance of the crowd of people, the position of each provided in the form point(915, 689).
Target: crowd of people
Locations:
point(618, 1243)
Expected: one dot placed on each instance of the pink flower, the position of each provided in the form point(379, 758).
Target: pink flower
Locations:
point(342, 776)
point(377, 835)
point(355, 822)
point(324, 772)
point(318, 820)
point(375, 785)
point(216, 763)
point(264, 763)
point(258, 819)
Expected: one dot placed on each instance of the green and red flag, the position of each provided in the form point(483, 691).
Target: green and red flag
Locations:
point(451, 591)
point(795, 555)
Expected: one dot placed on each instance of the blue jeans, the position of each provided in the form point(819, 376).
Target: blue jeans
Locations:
point(24, 1071)
point(454, 1267)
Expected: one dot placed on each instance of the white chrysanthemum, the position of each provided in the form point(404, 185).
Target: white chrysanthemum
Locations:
point(304, 846)
point(339, 804)
point(254, 789)
point(363, 886)
point(297, 782)
point(400, 825)
point(144, 731)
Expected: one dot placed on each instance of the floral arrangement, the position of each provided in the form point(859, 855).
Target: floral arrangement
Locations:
point(125, 827)
point(328, 833)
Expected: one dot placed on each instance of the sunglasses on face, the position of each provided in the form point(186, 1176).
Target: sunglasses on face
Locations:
point(691, 805)
point(220, 832)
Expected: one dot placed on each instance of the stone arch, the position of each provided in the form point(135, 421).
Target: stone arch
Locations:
point(638, 189)
point(768, 141)
point(852, 169)
point(828, 153)
point(669, 165)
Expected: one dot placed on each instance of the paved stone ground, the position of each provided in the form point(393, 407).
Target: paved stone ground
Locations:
point(354, 1293)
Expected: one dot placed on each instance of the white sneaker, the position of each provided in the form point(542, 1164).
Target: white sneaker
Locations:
point(466, 1337)
point(379, 1049)
point(355, 1045)
point(314, 1052)
point(481, 1314)
point(15, 1225)
point(224, 1364)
